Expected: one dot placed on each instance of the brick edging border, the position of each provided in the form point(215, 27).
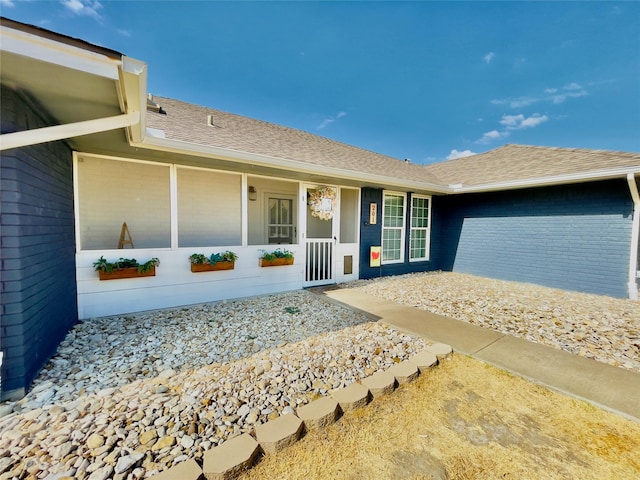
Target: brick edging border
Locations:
point(228, 460)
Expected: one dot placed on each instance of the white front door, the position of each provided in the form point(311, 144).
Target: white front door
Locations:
point(320, 234)
point(331, 244)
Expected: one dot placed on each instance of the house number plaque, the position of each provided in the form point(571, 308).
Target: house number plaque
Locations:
point(373, 213)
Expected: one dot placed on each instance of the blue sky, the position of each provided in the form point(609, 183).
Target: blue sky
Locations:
point(420, 80)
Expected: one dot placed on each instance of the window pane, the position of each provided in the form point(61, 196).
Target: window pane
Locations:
point(348, 215)
point(392, 247)
point(419, 238)
point(111, 192)
point(393, 227)
point(420, 212)
point(281, 220)
point(209, 208)
point(418, 243)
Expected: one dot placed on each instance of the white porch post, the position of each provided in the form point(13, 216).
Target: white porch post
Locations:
point(635, 237)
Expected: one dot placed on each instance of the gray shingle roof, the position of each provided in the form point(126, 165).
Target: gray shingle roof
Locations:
point(522, 162)
point(190, 123)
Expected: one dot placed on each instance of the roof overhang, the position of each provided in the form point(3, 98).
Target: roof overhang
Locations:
point(75, 86)
point(154, 142)
point(582, 177)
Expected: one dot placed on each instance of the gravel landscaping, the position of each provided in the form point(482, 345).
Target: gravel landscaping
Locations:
point(593, 326)
point(126, 397)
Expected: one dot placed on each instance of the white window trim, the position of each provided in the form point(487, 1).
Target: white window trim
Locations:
point(403, 228)
point(427, 250)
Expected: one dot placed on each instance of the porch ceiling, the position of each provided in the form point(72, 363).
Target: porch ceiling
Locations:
point(69, 95)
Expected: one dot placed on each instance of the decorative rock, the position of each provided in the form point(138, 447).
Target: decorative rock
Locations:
point(127, 462)
point(404, 372)
point(319, 413)
point(102, 473)
point(424, 360)
point(188, 470)
point(95, 441)
point(229, 459)
point(279, 433)
point(187, 442)
point(147, 436)
point(380, 383)
point(440, 350)
point(164, 442)
point(352, 397)
point(5, 409)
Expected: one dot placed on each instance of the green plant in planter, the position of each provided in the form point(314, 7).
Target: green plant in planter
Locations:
point(227, 256)
point(109, 267)
point(200, 259)
point(278, 253)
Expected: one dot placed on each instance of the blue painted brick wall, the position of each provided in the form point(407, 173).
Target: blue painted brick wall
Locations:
point(371, 235)
point(37, 249)
point(573, 237)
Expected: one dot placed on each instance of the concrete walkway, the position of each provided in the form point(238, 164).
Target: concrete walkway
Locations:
point(608, 387)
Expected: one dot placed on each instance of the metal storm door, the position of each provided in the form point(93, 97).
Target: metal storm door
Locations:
point(320, 235)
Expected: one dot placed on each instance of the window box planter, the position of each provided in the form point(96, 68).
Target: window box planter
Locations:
point(275, 262)
point(125, 268)
point(214, 262)
point(276, 258)
point(130, 272)
point(207, 267)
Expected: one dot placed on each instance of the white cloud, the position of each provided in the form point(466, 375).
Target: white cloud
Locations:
point(488, 57)
point(511, 121)
point(516, 102)
point(572, 86)
point(517, 122)
point(87, 8)
point(553, 95)
point(533, 121)
point(489, 137)
point(329, 120)
point(7, 3)
point(123, 32)
point(456, 154)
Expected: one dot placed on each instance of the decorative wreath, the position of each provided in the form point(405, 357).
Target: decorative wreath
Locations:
point(323, 202)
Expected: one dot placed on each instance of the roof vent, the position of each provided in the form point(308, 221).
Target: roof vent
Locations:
point(153, 106)
point(211, 123)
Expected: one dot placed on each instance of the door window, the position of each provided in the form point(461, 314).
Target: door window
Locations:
point(280, 226)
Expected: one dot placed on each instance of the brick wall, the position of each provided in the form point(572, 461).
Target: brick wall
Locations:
point(37, 249)
point(573, 237)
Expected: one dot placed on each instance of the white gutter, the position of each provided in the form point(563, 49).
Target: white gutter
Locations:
point(188, 148)
point(635, 238)
point(58, 53)
point(69, 130)
point(133, 94)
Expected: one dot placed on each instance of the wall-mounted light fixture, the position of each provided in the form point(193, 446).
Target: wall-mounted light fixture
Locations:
point(253, 195)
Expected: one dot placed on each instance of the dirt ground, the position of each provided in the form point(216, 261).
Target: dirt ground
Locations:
point(465, 420)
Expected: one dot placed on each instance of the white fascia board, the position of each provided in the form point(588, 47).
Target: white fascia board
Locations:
point(133, 90)
point(621, 172)
point(188, 148)
point(68, 130)
point(50, 51)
